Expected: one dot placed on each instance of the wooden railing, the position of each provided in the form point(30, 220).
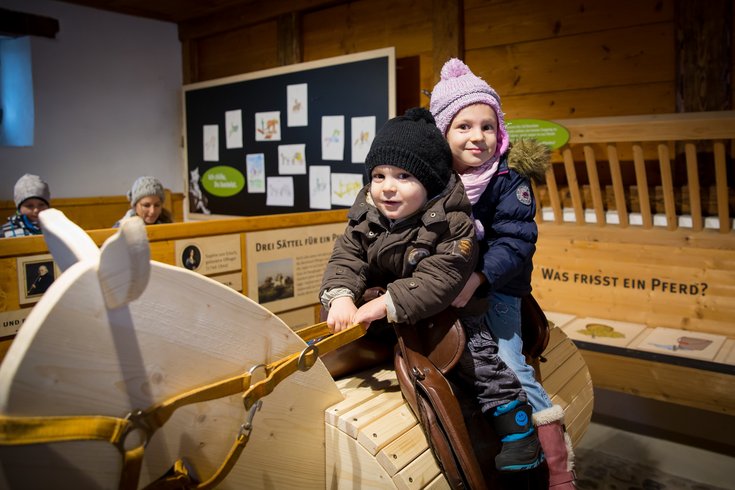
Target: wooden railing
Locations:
point(610, 168)
point(93, 213)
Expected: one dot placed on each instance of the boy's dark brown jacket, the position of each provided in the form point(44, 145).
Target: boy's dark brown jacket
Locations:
point(423, 261)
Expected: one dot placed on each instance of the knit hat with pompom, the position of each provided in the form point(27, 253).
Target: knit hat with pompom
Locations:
point(143, 187)
point(413, 142)
point(460, 88)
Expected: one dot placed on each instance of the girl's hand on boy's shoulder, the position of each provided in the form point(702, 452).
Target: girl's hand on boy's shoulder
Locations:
point(371, 311)
point(475, 281)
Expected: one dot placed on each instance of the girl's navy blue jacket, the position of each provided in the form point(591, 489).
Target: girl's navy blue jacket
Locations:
point(507, 209)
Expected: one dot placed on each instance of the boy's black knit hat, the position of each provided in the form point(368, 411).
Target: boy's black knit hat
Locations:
point(414, 143)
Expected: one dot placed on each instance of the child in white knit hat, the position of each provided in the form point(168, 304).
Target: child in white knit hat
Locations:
point(146, 201)
point(497, 178)
point(31, 195)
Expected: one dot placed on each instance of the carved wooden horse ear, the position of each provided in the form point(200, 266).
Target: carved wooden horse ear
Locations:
point(117, 333)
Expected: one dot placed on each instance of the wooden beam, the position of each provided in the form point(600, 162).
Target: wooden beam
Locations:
point(16, 24)
point(703, 50)
point(290, 40)
point(448, 33)
point(190, 61)
point(248, 14)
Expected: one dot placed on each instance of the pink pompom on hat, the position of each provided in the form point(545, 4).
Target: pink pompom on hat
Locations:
point(459, 88)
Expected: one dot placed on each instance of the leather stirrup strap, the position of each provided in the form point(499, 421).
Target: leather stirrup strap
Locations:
point(432, 383)
point(16, 431)
point(302, 361)
point(132, 464)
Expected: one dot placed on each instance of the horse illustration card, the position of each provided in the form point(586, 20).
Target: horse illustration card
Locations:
point(268, 126)
point(603, 331)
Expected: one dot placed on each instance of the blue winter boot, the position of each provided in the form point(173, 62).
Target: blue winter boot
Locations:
point(521, 449)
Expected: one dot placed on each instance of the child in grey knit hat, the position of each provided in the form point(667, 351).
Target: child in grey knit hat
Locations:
point(146, 201)
point(31, 195)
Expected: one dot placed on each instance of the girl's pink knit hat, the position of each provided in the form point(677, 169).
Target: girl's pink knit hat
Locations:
point(459, 88)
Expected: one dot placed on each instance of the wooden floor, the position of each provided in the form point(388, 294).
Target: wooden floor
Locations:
point(373, 440)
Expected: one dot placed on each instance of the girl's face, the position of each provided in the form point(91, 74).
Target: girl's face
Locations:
point(31, 207)
point(396, 193)
point(473, 136)
point(149, 208)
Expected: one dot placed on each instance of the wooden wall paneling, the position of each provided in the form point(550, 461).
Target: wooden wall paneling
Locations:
point(573, 186)
point(93, 213)
point(498, 23)
point(617, 182)
point(242, 50)
point(9, 299)
point(660, 284)
point(594, 180)
point(189, 61)
point(667, 183)
point(427, 77)
point(163, 251)
point(722, 188)
point(695, 204)
point(408, 83)
point(703, 55)
point(244, 258)
point(245, 14)
point(290, 49)
point(633, 55)
point(364, 25)
point(653, 127)
point(624, 100)
point(448, 35)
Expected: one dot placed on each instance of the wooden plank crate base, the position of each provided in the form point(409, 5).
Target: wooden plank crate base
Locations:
point(373, 440)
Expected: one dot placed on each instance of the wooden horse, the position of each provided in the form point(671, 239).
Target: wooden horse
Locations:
point(116, 333)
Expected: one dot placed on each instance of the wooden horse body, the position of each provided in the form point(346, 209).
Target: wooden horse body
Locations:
point(118, 332)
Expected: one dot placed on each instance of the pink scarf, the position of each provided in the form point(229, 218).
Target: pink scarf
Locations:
point(475, 182)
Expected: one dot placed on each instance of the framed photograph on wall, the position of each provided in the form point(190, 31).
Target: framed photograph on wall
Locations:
point(35, 274)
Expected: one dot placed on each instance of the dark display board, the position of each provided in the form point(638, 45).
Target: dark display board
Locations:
point(243, 158)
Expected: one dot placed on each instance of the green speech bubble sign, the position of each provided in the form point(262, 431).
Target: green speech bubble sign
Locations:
point(546, 132)
point(223, 181)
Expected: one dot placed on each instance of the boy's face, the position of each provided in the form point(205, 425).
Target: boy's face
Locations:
point(149, 208)
point(396, 193)
point(473, 136)
point(31, 207)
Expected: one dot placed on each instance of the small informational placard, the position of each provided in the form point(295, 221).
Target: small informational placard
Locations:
point(546, 132)
point(35, 274)
point(602, 331)
point(11, 321)
point(683, 343)
point(285, 267)
point(217, 257)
